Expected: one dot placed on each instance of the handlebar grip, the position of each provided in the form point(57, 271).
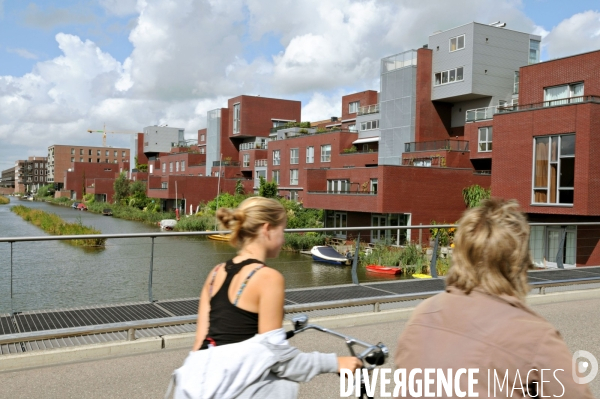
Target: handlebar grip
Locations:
point(289, 334)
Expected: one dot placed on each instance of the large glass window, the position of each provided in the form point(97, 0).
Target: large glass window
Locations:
point(565, 94)
point(183, 166)
point(236, 118)
point(326, 153)
point(293, 177)
point(353, 107)
point(276, 176)
point(176, 166)
point(534, 51)
point(457, 43)
point(516, 83)
point(554, 169)
point(294, 156)
point(338, 186)
point(276, 159)
point(246, 160)
point(485, 139)
point(369, 125)
point(449, 76)
point(171, 167)
point(310, 154)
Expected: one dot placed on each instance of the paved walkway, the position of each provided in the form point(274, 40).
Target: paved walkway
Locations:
point(147, 375)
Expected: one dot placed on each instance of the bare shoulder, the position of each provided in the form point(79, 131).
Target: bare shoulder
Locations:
point(272, 275)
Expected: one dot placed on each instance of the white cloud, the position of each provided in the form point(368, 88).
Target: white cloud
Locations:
point(120, 8)
point(321, 107)
point(577, 34)
point(21, 52)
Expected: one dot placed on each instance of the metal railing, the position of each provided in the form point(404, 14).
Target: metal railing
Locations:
point(550, 103)
point(226, 163)
point(253, 146)
point(480, 114)
point(355, 192)
point(368, 109)
point(261, 162)
point(437, 145)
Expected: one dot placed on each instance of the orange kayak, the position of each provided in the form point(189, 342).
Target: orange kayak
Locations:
point(383, 269)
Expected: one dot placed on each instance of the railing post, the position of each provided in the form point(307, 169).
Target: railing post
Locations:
point(421, 236)
point(151, 272)
point(131, 334)
point(12, 310)
point(355, 262)
point(559, 254)
point(433, 266)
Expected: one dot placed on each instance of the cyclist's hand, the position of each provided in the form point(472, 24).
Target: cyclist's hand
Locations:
point(348, 362)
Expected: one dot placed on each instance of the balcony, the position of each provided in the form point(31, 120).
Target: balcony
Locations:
point(448, 145)
point(253, 146)
point(226, 163)
point(348, 192)
point(368, 109)
point(481, 114)
point(551, 103)
point(261, 162)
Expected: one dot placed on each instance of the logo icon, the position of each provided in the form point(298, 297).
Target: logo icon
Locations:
point(583, 362)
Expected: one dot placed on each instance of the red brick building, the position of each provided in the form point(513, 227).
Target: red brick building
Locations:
point(93, 178)
point(543, 154)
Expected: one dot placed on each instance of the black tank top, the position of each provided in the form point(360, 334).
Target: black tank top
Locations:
point(229, 324)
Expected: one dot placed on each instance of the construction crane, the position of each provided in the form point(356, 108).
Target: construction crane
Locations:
point(103, 131)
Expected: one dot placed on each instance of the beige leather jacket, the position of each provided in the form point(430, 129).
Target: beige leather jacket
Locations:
point(509, 343)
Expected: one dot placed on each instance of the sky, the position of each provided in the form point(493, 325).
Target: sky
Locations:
point(67, 66)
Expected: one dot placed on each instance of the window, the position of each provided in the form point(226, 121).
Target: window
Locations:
point(97, 160)
point(176, 166)
point(370, 125)
point(164, 185)
point(115, 153)
point(72, 151)
point(338, 186)
point(202, 150)
point(123, 154)
point(236, 118)
point(565, 94)
point(457, 43)
point(276, 160)
point(353, 107)
point(352, 128)
point(554, 169)
point(170, 167)
point(326, 153)
point(72, 159)
point(80, 159)
point(97, 153)
point(106, 161)
point(449, 76)
point(35, 172)
point(246, 161)
point(534, 51)
point(81, 151)
point(164, 167)
point(183, 166)
point(35, 178)
point(89, 152)
point(373, 186)
point(293, 177)
point(151, 168)
point(485, 139)
point(294, 156)
point(310, 154)
point(201, 137)
point(276, 176)
point(106, 153)
point(516, 83)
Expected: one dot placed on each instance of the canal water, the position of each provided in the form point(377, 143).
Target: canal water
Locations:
point(55, 274)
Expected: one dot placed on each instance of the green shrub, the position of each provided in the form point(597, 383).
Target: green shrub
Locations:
point(300, 242)
point(4, 200)
point(350, 150)
point(200, 222)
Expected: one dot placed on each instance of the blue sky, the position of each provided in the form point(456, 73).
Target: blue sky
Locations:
point(66, 66)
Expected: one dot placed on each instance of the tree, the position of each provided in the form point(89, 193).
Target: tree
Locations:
point(473, 195)
point(121, 187)
point(137, 194)
point(267, 189)
point(239, 188)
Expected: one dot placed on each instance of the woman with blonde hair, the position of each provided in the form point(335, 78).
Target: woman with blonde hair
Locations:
point(482, 322)
point(242, 349)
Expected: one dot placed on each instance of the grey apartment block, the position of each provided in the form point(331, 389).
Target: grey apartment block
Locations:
point(161, 138)
point(213, 138)
point(489, 59)
point(397, 103)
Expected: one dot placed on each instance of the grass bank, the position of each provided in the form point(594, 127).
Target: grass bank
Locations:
point(52, 224)
point(4, 200)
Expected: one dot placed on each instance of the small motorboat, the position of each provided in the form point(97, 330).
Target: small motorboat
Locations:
point(167, 224)
point(219, 237)
point(82, 207)
point(419, 275)
point(325, 253)
point(383, 269)
point(107, 212)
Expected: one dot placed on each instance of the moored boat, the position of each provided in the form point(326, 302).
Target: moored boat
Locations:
point(107, 212)
point(325, 253)
point(167, 224)
point(419, 275)
point(219, 237)
point(383, 269)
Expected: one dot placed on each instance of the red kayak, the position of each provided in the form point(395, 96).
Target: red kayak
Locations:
point(384, 269)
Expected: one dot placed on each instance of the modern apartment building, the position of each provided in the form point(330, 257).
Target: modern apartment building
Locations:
point(30, 174)
point(61, 158)
point(8, 180)
point(543, 154)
